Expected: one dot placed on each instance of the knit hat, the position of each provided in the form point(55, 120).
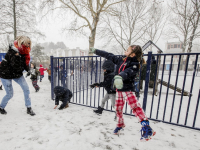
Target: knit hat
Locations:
point(108, 66)
point(41, 65)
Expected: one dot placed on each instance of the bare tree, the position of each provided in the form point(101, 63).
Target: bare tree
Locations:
point(185, 19)
point(129, 24)
point(88, 11)
point(195, 24)
point(18, 17)
point(157, 20)
point(4, 43)
point(37, 53)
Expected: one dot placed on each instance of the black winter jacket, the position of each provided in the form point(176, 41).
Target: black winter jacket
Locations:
point(62, 94)
point(108, 82)
point(34, 73)
point(13, 65)
point(131, 67)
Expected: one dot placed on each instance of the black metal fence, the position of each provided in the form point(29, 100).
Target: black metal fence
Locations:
point(174, 97)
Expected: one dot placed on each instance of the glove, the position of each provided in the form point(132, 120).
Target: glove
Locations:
point(28, 74)
point(93, 85)
point(92, 50)
point(118, 83)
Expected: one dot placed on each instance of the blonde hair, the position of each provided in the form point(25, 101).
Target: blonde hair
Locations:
point(23, 40)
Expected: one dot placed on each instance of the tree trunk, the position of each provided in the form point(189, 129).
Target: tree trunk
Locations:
point(182, 57)
point(92, 40)
point(93, 34)
point(14, 17)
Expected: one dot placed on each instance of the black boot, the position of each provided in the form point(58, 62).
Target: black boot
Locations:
point(137, 94)
point(99, 110)
point(1, 87)
point(37, 89)
point(3, 111)
point(30, 111)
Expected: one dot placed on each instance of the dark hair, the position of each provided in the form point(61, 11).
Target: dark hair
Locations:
point(138, 51)
point(34, 65)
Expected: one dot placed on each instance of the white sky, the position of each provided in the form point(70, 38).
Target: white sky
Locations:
point(52, 28)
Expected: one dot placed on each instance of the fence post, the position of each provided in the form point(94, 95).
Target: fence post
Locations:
point(157, 73)
point(147, 81)
point(52, 77)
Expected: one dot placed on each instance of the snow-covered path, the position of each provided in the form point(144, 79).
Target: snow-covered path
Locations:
point(78, 128)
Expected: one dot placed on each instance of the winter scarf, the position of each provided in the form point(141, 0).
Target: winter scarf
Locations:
point(23, 50)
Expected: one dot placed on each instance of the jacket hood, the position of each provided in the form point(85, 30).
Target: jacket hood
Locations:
point(108, 66)
point(11, 46)
point(41, 65)
point(59, 91)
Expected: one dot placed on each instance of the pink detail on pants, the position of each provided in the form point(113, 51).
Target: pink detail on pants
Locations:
point(132, 102)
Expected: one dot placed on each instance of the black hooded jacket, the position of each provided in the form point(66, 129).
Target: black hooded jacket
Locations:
point(127, 71)
point(108, 77)
point(62, 94)
point(13, 65)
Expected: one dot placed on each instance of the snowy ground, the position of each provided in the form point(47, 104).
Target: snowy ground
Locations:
point(78, 128)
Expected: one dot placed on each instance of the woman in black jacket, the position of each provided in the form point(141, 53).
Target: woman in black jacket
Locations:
point(11, 68)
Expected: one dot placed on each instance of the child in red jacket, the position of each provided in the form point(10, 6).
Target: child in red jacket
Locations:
point(42, 72)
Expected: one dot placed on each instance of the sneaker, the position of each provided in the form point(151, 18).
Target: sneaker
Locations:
point(3, 111)
point(117, 130)
point(146, 132)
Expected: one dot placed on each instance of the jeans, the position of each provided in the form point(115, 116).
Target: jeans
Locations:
point(41, 76)
point(7, 83)
point(136, 84)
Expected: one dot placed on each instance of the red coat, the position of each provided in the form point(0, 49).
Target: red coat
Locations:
point(42, 70)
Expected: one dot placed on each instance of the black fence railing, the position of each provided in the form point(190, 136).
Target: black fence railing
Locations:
point(172, 97)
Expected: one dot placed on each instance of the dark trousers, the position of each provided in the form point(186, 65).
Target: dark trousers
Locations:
point(41, 76)
point(49, 77)
point(34, 83)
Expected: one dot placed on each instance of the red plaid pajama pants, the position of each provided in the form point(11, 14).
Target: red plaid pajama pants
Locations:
point(132, 102)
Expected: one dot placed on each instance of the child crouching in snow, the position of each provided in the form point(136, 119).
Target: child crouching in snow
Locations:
point(126, 70)
point(34, 76)
point(108, 68)
point(64, 95)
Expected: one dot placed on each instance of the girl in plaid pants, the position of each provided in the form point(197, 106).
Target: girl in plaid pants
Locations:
point(126, 69)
